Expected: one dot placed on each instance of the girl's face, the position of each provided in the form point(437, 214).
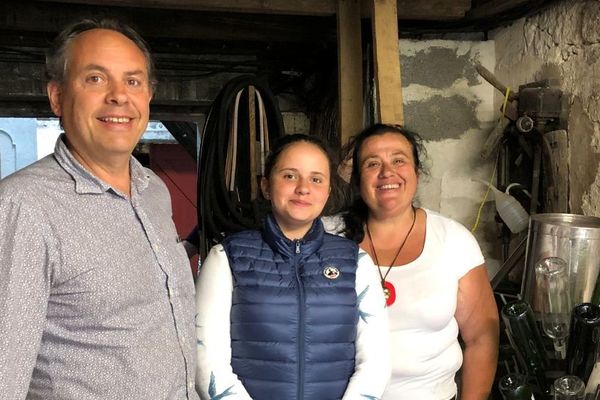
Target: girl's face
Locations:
point(298, 187)
point(388, 177)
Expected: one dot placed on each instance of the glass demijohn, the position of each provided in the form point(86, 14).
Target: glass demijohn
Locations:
point(555, 303)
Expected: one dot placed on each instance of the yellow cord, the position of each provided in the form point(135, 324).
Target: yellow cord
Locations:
point(487, 192)
point(505, 100)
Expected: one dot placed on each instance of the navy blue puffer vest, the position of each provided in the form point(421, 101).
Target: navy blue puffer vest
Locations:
point(293, 321)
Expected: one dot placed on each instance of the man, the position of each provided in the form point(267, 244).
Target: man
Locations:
point(96, 293)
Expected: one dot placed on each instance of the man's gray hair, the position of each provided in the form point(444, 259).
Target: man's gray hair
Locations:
point(56, 56)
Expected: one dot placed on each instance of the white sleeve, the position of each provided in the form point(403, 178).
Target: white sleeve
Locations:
point(373, 366)
point(214, 375)
point(333, 224)
point(463, 248)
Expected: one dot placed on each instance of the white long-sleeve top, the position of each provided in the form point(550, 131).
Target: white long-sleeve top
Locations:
point(214, 375)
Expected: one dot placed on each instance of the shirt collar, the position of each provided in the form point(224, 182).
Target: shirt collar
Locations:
point(86, 182)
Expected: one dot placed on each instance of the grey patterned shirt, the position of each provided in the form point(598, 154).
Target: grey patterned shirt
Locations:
point(96, 293)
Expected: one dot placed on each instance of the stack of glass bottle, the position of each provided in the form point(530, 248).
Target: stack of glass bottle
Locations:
point(575, 334)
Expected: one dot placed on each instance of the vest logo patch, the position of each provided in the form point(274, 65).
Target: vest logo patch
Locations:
point(331, 272)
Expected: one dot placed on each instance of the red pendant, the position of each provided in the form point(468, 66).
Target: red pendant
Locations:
point(389, 291)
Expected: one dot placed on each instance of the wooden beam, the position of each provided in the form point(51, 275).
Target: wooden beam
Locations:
point(433, 10)
point(350, 88)
point(289, 7)
point(387, 62)
point(25, 106)
point(556, 154)
point(426, 10)
point(495, 7)
point(165, 23)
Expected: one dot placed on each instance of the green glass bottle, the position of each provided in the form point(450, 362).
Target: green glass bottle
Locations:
point(515, 387)
point(527, 340)
point(584, 340)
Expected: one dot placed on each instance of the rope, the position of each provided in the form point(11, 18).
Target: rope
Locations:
point(224, 208)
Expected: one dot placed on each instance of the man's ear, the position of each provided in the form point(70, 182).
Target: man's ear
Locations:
point(151, 90)
point(264, 187)
point(54, 91)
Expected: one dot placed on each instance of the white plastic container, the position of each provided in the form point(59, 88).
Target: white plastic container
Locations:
point(511, 211)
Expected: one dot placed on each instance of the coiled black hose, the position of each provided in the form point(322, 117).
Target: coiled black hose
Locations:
point(222, 211)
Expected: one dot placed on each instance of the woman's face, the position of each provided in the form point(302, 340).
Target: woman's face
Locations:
point(298, 187)
point(388, 177)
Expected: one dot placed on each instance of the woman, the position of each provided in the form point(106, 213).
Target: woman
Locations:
point(291, 312)
point(431, 270)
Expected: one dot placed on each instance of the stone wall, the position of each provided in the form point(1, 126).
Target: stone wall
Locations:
point(452, 108)
point(563, 44)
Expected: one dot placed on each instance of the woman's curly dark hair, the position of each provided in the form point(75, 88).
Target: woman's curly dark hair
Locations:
point(356, 215)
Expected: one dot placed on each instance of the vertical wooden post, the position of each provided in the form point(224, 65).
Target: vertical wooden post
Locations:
point(387, 62)
point(350, 87)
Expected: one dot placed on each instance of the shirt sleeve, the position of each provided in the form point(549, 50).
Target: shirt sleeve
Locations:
point(214, 376)
point(24, 293)
point(372, 363)
point(464, 248)
point(333, 224)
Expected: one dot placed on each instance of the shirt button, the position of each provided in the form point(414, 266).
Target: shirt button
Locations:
point(170, 292)
point(190, 384)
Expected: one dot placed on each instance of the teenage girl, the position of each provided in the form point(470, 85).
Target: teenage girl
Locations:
point(289, 311)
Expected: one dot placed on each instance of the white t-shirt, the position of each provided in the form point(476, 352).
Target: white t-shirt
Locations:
point(423, 331)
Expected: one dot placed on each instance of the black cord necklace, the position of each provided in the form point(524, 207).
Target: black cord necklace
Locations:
point(388, 289)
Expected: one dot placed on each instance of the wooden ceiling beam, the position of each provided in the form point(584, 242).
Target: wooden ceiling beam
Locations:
point(176, 24)
point(285, 7)
point(495, 7)
point(445, 10)
point(426, 10)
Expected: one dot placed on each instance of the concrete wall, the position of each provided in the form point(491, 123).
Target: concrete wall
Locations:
point(563, 44)
point(452, 108)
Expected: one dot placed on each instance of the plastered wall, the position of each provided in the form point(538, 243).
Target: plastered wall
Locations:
point(452, 108)
point(563, 44)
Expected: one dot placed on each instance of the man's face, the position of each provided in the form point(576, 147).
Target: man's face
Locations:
point(105, 99)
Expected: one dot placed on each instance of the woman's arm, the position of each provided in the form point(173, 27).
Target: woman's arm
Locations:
point(477, 317)
point(372, 365)
point(214, 377)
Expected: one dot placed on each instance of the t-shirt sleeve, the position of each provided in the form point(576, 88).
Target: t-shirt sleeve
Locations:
point(463, 248)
